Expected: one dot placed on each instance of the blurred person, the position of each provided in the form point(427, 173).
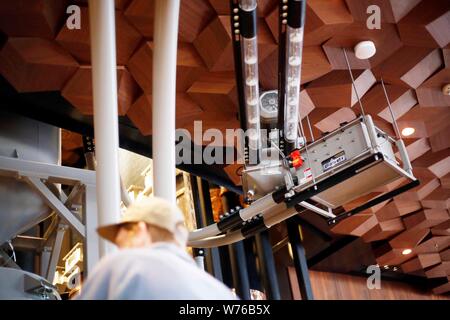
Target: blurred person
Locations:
point(152, 262)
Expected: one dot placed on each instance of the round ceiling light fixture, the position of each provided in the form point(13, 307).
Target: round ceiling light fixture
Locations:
point(408, 131)
point(365, 50)
point(406, 252)
point(446, 89)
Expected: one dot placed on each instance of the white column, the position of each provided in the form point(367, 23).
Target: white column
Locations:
point(104, 82)
point(165, 39)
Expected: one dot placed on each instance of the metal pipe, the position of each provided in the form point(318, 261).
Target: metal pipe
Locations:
point(271, 218)
point(234, 6)
point(300, 262)
point(261, 205)
point(217, 241)
point(213, 259)
point(317, 210)
point(353, 83)
point(267, 265)
point(89, 155)
point(404, 155)
point(310, 128)
point(239, 270)
point(104, 83)
point(56, 251)
point(163, 102)
point(394, 120)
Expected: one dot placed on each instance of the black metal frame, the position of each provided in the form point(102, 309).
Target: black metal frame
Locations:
point(340, 177)
point(239, 271)
point(281, 67)
point(267, 265)
point(204, 216)
point(300, 261)
point(237, 254)
point(234, 4)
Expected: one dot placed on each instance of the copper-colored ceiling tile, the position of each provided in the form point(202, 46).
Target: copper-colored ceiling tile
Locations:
point(215, 93)
point(32, 18)
point(384, 230)
point(422, 261)
point(433, 165)
point(78, 90)
point(427, 24)
point(425, 121)
point(426, 218)
point(335, 89)
point(438, 199)
point(27, 64)
point(430, 92)
point(397, 208)
point(417, 64)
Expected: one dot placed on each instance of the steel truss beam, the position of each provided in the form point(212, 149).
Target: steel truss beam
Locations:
point(39, 176)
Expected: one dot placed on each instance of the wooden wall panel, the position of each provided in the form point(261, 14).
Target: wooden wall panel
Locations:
point(335, 286)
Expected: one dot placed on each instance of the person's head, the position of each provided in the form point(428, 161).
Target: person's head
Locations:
point(145, 222)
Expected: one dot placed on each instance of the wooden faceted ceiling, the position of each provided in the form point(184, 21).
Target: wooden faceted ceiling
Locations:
point(413, 58)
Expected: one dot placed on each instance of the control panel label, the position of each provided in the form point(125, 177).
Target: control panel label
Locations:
point(333, 161)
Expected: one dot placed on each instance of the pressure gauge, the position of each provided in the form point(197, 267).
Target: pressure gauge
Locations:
point(268, 102)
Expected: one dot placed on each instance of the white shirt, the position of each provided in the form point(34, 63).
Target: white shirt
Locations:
point(163, 271)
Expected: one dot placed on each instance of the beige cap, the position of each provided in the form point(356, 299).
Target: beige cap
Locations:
point(152, 210)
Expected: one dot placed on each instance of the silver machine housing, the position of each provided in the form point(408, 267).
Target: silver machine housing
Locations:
point(347, 145)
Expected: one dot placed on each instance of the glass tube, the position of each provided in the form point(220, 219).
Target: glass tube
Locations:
point(251, 82)
point(293, 77)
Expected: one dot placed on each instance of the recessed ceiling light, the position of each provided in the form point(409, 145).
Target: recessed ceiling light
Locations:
point(365, 50)
point(386, 266)
point(408, 131)
point(394, 269)
point(446, 89)
point(406, 251)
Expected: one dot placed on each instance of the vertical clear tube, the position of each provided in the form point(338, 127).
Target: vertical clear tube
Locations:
point(293, 76)
point(250, 55)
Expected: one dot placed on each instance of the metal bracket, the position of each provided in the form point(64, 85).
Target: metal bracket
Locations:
point(54, 203)
point(82, 181)
point(56, 251)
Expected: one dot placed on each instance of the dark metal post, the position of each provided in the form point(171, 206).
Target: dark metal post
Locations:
point(236, 250)
point(239, 270)
point(267, 264)
point(204, 217)
point(197, 252)
point(300, 262)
